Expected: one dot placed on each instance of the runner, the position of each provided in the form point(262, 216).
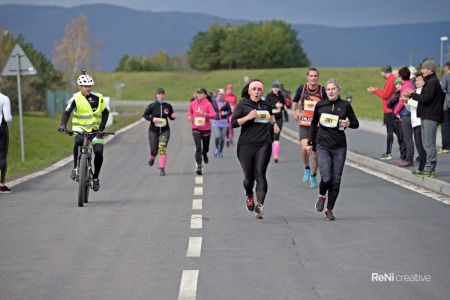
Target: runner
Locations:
point(200, 112)
point(159, 131)
point(333, 116)
point(308, 95)
point(277, 102)
point(231, 98)
point(220, 124)
point(254, 144)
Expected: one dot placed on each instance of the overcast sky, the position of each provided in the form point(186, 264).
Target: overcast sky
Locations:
point(341, 13)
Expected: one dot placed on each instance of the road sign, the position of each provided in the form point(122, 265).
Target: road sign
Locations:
point(12, 65)
point(19, 64)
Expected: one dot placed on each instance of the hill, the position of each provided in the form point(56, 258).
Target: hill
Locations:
point(126, 31)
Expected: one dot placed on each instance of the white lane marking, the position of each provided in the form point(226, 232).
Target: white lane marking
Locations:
point(195, 247)
point(389, 178)
point(188, 286)
point(197, 204)
point(68, 159)
point(198, 179)
point(196, 221)
point(198, 191)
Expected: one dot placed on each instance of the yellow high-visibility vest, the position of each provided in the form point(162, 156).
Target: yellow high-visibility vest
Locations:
point(84, 118)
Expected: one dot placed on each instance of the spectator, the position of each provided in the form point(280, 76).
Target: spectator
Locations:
point(392, 104)
point(405, 116)
point(5, 118)
point(385, 95)
point(445, 126)
point(430, 111)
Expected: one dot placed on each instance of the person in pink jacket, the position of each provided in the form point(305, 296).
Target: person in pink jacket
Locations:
point(200, 113)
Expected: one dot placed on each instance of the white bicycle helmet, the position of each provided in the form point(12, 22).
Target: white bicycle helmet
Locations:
point(85, 80)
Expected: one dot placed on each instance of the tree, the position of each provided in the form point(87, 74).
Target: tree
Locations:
point(77, 49)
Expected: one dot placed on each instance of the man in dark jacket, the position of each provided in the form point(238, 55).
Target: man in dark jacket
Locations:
point(430, 111)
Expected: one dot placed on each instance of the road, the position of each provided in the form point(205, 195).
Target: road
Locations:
point(184, 236)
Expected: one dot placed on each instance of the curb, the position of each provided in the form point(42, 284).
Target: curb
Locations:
point(432, 184)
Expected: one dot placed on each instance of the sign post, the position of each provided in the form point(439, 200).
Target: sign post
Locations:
point(19, 64)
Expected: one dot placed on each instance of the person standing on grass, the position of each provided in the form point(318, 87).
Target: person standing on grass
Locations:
point(159, 131)
point(5, 119)
point(385, 94)
point(254, 149)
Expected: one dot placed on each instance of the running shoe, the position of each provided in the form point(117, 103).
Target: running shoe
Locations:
point(399, 160)
point(73, 174)
point(231, 143)
point(205, 158)
point(313, 182)
point(406, 164)
point(228, 143)
point(259, 210)
point(306, 175)
point(199, 171)
point(443, 151)
point(216, 153)
point(329, 215)
point(320, 203)
point(220, 154)
point(416, 172)
point(151, 162)
point(386, 156)
point(424, 174)
point(5, 190)
point(96, 185)
point(250, 203)
point(275, 159)
point(162, 172)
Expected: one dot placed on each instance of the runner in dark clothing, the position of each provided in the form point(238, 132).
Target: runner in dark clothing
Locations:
point(277, 102)
point(333, 115)
point(159, 130)
point(254, 116)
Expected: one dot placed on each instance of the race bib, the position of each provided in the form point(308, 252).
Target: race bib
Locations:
point(160, 122)
point(328, 120)
point(199, 121)
point(262, 116)
point(309, 105)
point(276, 110)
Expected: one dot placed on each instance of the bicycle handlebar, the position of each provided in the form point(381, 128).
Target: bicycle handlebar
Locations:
point(88, 133)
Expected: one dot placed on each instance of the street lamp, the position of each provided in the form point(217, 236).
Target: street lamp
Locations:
point(443, 39)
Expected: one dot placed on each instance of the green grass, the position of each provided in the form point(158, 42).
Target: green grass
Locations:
point(180, 85)
point(43, 145)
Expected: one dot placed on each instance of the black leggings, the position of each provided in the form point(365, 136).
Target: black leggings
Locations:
point(4, 144)
point(199, 137)
point(158, 142)
point(254, 161)
point(276, 136)
point(98, 151)
point(389, 122)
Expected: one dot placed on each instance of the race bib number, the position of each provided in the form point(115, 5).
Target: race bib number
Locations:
point(262, 116)
point(276, 110)
point(328, 120)
point(199, 121)
point(309, 105)
point(160, 122)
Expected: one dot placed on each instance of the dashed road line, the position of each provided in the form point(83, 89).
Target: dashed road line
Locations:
point(197, 204)
point(188, 286)
point(198, 191)
point(196, 221)
point(195, 246)
point(198, 179)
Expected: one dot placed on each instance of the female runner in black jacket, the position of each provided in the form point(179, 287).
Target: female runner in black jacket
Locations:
point(254, 149)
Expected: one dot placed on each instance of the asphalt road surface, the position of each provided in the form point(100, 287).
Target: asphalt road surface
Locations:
point(185, 236)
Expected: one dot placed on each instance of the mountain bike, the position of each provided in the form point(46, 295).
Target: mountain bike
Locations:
point(84, 173)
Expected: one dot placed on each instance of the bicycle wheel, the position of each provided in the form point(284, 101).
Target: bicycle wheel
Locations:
point(82, 179)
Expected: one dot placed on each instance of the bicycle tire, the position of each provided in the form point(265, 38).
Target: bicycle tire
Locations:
point(82, 178)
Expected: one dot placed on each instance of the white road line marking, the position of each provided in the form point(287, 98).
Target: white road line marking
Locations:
point(196, 221)
point(198, 191)
point(393, 179)
point(198, 179)
point(188, 286)
point(197, 204)
point(195, 247)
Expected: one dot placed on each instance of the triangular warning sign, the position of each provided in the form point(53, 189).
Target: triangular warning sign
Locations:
point(17, 59)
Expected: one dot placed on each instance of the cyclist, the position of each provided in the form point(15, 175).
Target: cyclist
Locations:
point(159, 130)
point(90, 114)
point(307, 96)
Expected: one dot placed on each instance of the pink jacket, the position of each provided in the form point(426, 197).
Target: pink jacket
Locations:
point(200, 121)
point(405, 85)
